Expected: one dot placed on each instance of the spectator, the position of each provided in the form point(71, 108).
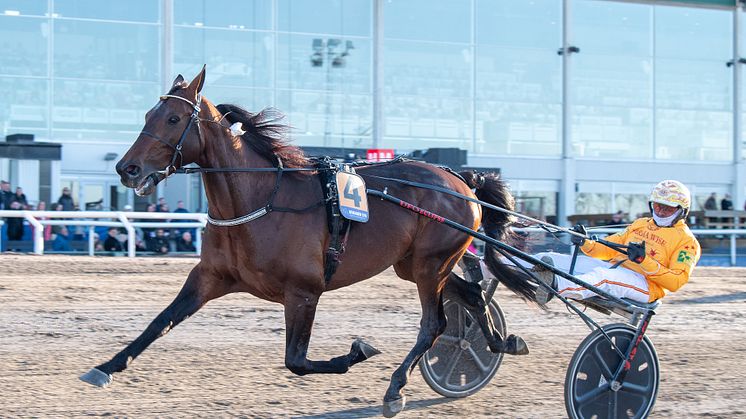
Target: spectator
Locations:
point(61, 242)
point(711, 203)
point(616, 219)
point(185, 243)
point(180, 208)
point(66, 200)
point(5, 195)
point(15, 224)
point(42, 206)
point(159, 243)
point(162, 205)
point(112, 243)
point(149, 233)
point(726, 204)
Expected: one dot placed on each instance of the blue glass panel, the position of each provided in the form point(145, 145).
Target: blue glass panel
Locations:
point(525, 24)
point(693, 135)
point(103, 106)
point(23, 7)
point(682, 32)
point(24, 103)
point(106, 50)
point(244, 14)
point(516, 128)
point(233, 57)
point(428, 20)
point(338, 64)
point(612, 132)
point(327, 118)
point(130, 10)
point(609, 28)
point(343, 17)
point(27, 53)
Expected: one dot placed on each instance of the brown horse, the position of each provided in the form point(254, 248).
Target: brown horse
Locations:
point(280, 255)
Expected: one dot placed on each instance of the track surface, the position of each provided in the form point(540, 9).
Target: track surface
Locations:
point(59, 316)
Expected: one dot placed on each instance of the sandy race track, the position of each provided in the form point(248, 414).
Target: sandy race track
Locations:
point(60, 316)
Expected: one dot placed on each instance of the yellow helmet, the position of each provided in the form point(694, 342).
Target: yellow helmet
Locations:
point(672, 193)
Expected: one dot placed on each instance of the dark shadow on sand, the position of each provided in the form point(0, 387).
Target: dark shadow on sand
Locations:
point(713, 299)
point(374, 411)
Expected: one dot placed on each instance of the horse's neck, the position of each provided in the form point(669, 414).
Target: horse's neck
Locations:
point(231, 195)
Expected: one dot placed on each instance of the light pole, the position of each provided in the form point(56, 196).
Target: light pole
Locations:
point(331, 53)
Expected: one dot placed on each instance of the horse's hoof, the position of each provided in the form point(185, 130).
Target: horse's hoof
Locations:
point(515, 345)
point(393, 407)
point(97, 377)
point(365, 348)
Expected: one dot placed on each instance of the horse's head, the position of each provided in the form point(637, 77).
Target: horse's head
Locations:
point(170, 138)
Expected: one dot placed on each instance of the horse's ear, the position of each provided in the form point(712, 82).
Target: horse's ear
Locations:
point(178, 81)
point(198, 82)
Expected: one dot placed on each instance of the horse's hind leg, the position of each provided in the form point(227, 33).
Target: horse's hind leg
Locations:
point(300, 310)
point(432, 324)
point(198, 289)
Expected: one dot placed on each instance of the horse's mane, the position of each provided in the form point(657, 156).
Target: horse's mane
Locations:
point(265, 134)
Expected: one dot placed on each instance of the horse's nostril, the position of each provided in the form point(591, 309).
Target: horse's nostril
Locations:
point(132, 170)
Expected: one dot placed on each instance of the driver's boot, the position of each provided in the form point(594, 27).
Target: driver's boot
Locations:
point(471, 264)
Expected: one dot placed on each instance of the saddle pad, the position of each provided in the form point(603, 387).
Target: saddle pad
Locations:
point(353, 200)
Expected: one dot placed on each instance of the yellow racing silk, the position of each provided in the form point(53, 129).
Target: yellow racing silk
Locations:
point(671, 254)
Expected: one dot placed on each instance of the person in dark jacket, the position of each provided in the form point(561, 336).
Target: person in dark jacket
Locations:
point(112, 243)
point(185, 243)
point(159, 243)
point(66, 200)
point(15, 224)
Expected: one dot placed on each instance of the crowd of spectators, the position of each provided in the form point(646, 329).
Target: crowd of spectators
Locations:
point(61, 238)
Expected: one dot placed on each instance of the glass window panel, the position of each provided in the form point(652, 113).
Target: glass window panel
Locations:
point(343, 17)
point(244, 14)
point(233, 57)
point(308, 62)
point(427, 69)
point(130, 10)
point(695, 33)
point(515, 128)
point(253, 100)
point(611, 81)
point(24, 7)
point(693, 135)
point(112, 51)
point(519, 24)
point(688, 84)
point(24, 45)
point(592, 203)
point(609, 28)
point(615, 132)
point(428, 20)
point(24, 102)
point(327, 118)
point(102, 106)
point(518, 75)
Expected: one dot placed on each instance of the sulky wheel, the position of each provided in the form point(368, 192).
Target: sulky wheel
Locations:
point(459, 363)
point(587, 390)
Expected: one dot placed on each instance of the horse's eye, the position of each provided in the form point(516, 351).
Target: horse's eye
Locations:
point(174, 120)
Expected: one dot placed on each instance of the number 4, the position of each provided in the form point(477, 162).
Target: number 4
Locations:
point(352, 194)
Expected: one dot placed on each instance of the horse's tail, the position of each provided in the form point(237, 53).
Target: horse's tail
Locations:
point(491, 189)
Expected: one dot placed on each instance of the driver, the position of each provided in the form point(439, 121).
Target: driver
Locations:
point(663, 263)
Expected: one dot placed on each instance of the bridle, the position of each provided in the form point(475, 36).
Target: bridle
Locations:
point(193, 120)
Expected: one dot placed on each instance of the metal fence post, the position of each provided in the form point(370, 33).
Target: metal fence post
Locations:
point(38, 232)
point(733, 249)
point(131, 237)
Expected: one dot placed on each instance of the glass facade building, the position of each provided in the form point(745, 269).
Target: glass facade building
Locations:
point(582, 104)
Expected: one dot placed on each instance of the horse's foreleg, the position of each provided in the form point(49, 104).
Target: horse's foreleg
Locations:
point(300, 310)
point(432, 324)
point(197, 290)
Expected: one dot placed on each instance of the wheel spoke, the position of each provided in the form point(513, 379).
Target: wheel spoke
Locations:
point(478, 361)
point(592, 395)
point(451, 366)
point(635, 389)
point(601, 363)
point(448, 339)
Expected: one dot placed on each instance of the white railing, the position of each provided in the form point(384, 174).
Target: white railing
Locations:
point(91, 219)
